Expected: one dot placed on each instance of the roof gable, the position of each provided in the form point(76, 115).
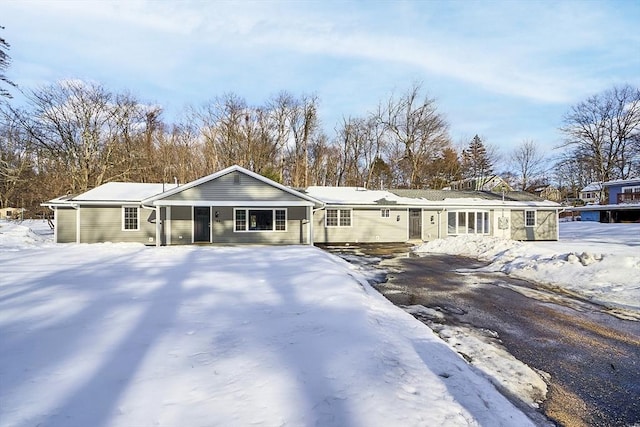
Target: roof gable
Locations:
point(206, 188)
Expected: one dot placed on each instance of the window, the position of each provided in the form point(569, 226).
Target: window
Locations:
point(467, 222)
point(281, 220)
point(529, 218)
point(130, 220)
point(261, 219)
point(384, 213)
point(241, 220)
point(338, 218)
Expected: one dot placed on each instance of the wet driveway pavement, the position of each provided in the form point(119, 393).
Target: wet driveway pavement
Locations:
point(591, 356)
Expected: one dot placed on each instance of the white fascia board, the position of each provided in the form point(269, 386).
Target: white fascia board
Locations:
point(233, 203)
point(106, 202)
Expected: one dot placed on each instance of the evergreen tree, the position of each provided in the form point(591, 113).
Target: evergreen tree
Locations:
point(4, 64)
point(475, 160)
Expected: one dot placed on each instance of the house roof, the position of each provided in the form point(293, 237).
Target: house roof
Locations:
point(123, 192)
point(358, 196)
point(594, 186)
point(437, 195)
point(226, 171)
point(632, 181)
point(355, 195)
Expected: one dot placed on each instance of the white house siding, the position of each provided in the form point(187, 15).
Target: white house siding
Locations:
point(367, 226)
point(65, 225)
point(104, 224)
point(544, 229)
point(181, 227)
point(234, 186)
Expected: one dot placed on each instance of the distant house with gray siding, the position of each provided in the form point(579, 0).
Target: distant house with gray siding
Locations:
point(237, 206)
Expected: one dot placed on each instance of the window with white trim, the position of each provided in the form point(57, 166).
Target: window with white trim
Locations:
point(338, 218)
point(260, 219)
point(529, 218)
point(130, 218)
point(384, 213)
point(468, 222)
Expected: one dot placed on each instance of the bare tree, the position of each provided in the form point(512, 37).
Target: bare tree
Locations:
point(604, 127)
point(528, 161)
point(418, 131)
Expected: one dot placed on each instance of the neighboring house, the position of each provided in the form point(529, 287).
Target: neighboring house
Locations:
point(547, 192)
point(237, 206)
point(484, 183)
point(623, 204)
point(592, 193)
point(11, 213)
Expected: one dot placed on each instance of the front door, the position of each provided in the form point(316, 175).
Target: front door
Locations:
point(201, 224)
point(415, 224)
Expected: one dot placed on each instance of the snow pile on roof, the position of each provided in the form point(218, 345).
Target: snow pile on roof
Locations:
point(122, 335)
point(124, 191)
point(355, 195)
point(597, 261)
point(594, 186)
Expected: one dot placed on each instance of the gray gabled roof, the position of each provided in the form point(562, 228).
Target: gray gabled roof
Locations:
point(438, 195)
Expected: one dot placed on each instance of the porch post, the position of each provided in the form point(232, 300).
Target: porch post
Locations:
point(310, 226)
point(158, 226)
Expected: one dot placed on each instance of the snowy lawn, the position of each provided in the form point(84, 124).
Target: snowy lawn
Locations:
point(600, 262)
point(125, 335)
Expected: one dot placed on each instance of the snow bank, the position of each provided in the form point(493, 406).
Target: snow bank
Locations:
point(600, 262)
point(122, 334)
point(15, 235)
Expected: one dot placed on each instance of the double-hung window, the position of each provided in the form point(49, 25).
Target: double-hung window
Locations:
point(338, 218)
point(130, 218)
point(529, 218)
point(260, 219)
point(384, 213)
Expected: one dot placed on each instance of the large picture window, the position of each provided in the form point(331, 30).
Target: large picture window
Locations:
point(338, 218)
point(130, 218)
point(260, 219)
point(468, 222)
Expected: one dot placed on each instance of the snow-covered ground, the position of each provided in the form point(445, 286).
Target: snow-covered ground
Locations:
point(599, 262)
point(125, 335)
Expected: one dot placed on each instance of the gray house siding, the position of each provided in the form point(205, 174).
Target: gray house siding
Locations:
point(66, 225)
point(224, 228)
point(432, 227)
point(234, 186)
point(104, 224)
point(546, 226)
point(367, 226)
point(181, 227)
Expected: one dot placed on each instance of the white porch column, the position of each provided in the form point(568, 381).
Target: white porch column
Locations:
point(158, 226)
point(310, 226)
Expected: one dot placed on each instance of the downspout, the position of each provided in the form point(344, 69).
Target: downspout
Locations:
point(158, 221)
point(311, 219)
point(440, 215)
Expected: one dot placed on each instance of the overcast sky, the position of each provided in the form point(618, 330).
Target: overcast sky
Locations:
point(507, 71)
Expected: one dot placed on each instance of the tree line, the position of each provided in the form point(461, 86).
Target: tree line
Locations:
point(73, 135)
